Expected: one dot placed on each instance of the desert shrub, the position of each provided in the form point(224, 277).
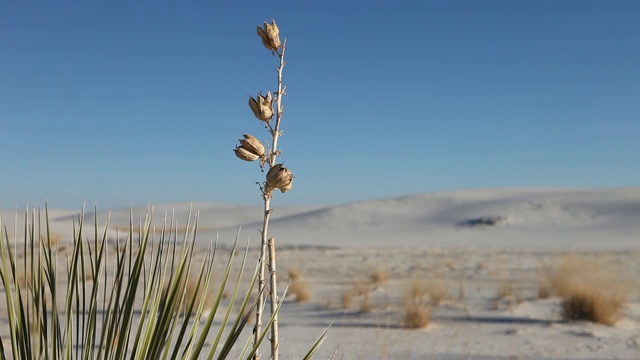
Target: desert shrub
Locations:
point(346, 300)
point(592, 304)
point(379, 277)
point(293, 273)
point(357, 291)
point(416, 316)
point(432, 290)
point(300, 290)
point(417, 304)
point(590, 290)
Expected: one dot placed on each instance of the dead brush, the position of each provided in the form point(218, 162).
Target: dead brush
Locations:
point(432, 290)
point(300, 289)
point(379, 277)
point(590, 290)
point(357, 291)
point(346, 300)
point(417, 316)
point(417, 307)
point(293, 273)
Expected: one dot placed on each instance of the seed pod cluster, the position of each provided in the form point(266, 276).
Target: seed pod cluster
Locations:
point(270, 35)
point(262, 107)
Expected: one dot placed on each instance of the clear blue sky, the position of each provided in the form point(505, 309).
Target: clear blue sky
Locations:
point(133, 102)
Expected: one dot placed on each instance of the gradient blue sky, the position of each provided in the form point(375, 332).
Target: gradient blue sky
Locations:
point(133, 102)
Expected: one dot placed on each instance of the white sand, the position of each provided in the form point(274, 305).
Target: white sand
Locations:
point(429, 236)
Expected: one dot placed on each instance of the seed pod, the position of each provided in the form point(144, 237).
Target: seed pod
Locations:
point(262, 107)
point(266, 105)
point(279, 177)
point(270, 35)
point(252, 144)
point(245, 154)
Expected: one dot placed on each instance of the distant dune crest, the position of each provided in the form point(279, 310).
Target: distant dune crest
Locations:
point(527, 218)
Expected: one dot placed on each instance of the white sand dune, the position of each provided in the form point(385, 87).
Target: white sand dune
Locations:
point(533, 218)
point(558, 218)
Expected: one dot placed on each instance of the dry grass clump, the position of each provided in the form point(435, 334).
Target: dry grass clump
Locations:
point(379, 277)
point(435, 290)
point(417, 316)
point(357, 291)
point(592, 304)
point(346, 300)
point(417, 307)
point(590, 290)
point(293, 273)
point(300, 290)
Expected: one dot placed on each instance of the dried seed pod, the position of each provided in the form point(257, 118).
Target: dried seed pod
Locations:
point(273, 171)
point(262, 107)
point(252, 144)
point(270, 35)
point(266, 105)
point(244, 154)
point(279, 177)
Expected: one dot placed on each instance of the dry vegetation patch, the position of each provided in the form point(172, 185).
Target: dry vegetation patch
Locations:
point(431, 290)
point(300, 290)
point(379, 277)
point(590, 290)
point(418, 301)
point(417, 316)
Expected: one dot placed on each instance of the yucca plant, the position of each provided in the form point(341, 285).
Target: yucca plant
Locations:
point(90, 304)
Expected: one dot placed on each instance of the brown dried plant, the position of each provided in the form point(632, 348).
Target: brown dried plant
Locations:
point(417, 316)
point(590, 290)
point(268, 109)
point(300, 289)
point(379, 277)
point(417, 308)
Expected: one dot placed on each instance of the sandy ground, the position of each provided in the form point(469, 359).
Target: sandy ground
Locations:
point(489, 274)
point(474, 321)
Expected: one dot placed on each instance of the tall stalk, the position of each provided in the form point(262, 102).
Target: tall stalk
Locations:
point(278, 177)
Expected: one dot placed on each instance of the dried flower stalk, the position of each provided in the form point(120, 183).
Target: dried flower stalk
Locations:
point(277, 177)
